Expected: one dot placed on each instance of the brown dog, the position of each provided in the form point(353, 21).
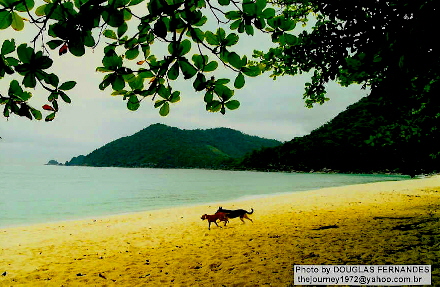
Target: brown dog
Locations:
point(214, 217)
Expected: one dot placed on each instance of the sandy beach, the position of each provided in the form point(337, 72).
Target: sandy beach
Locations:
point(376, 223)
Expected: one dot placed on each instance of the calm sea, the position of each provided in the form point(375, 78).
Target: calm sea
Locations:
point(38, 194)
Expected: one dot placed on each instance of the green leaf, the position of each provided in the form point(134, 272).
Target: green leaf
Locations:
point(233, 15)
point(232, 105)
point(8, 47)
point(17, 22)
point(29, 80)
point(113, 17)
point(160, 29)
point(53, 44)
point(52, 79)
point(67, 85)
point(136, 83)
point(224, 2)
point(211, 38)
point(42, 62)
point(187, 69)
point(164, 109)
point(223, 92)
point(127, 14)
point(234, 25)
point(173, 72)
point(252, 71)
point(231, 39)
point(41, 10)
point(77, 49)
point(222, 81)
point(268, 13)
point(110, 34)
point(249, 29)
point(221, 34)
point(50, 117)
point(239, 81)
point(28, 5)
point(36, 113)
point(249, 8)
point(14, 88)
point(201, 22)
point(65, 97)
point(260, 4)
point(145, 74)
point(11, 61)
point(135, 2)
point(111, 60)
point(199, 61)
point(291, 39)
point(103, 70)
point(197, 35)
point(211, 66)
point(208, 97)
point(175, 97)
point(163, 92)
point(132, 53)
point(200, 82)
point(5, 19)
point(118, 83)
point(159, 103)
point(133, 103)
point(122, 29)
point(287, 25)
point(213, 106)
point(235, 60)
point(184, 47)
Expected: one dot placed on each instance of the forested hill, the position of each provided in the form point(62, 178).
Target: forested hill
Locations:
point(375, 134)
point(162, 146)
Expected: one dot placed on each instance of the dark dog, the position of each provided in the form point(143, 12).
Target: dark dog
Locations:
point(214, 217)
point(236, 213)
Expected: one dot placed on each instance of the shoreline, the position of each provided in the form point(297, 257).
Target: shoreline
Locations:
point(355, 224)
point(241, 198)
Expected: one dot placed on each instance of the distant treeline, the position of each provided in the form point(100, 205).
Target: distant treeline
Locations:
point(375, 135)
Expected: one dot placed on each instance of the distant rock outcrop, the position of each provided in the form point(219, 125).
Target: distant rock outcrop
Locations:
point(53, 162)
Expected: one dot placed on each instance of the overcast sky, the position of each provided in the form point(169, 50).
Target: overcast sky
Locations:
point(270, 109)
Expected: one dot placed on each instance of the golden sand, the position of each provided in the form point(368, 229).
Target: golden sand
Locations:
point(377, 223)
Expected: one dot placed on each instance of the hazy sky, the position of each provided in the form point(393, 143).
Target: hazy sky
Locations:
point(271, 109)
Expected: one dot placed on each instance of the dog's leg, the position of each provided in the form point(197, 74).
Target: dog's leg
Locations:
point(217, 224)
point(245, 216)
point(241, 218)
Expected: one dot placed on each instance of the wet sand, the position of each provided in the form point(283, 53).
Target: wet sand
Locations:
point(376, 223)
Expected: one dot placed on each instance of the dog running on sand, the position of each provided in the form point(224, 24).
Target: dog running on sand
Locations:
point(214, 217)
point(236, 213)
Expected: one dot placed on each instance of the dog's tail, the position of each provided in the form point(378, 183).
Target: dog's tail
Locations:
point(252, 211)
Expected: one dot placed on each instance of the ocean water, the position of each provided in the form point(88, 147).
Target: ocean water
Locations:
point(39, 194)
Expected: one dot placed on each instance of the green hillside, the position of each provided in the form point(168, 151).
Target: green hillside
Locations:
point(376, 134)
point(168, 147)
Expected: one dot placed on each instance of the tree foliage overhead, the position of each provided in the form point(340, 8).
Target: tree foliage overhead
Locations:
point(364, 42)
point(130, 67)
point(374, 43)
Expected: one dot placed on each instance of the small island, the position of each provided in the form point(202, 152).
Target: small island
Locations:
point(53, 162)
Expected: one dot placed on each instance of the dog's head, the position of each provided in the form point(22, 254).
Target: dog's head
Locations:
point(220, 209)
point(204, 216)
